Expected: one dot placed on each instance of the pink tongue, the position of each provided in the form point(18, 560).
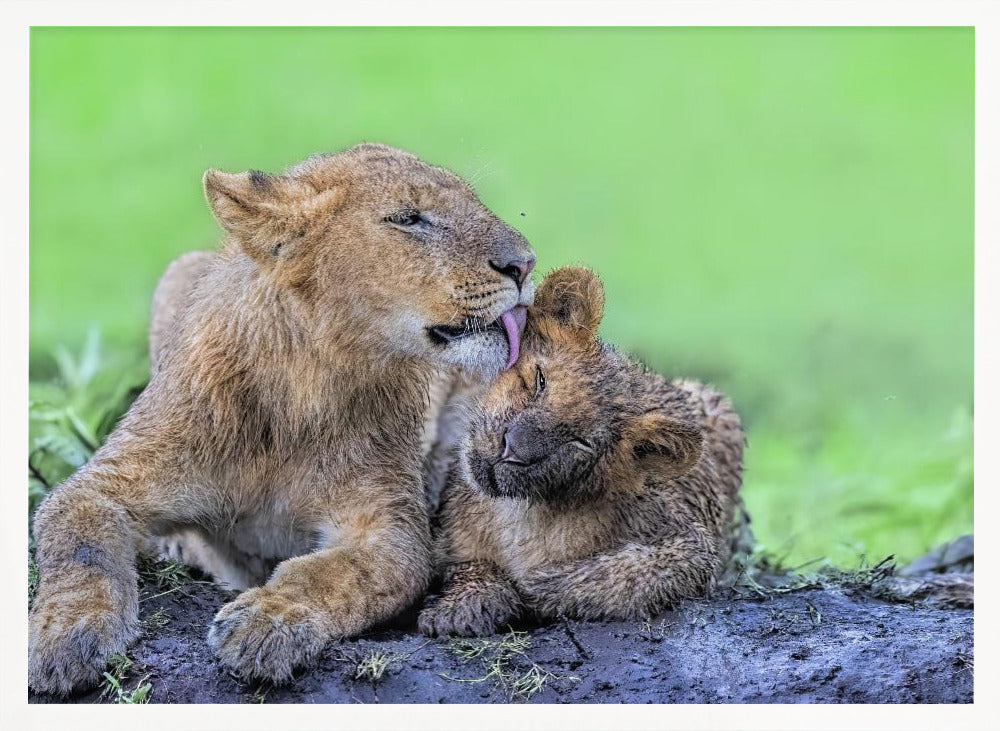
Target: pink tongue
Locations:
point(513, 337)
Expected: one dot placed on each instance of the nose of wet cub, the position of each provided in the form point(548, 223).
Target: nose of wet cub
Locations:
point(521, 445)
point(509, 454)
point(516, 269)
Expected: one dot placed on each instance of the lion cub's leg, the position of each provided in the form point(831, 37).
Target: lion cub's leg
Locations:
point(87, 534)
point(478, 599)
point(634, 582)
point(374, 563)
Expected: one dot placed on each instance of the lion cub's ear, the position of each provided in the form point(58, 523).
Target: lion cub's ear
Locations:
point(662, 443)
point(243, 201)
point(573, 297)
point(253, 206)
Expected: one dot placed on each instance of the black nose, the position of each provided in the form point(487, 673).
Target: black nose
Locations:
point(516, 269)
point(524, 443)
point(509, 453)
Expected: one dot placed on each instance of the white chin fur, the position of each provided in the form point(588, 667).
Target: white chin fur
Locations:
point(485, 353)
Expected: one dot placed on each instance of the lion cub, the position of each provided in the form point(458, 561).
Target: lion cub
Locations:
point(587, 486)
point(298, 374)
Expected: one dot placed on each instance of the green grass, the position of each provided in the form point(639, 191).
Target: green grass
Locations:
point(72, 413)
point(785, 212)
point(114, 688)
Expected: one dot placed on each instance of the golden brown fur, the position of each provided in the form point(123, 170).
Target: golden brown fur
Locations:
point(587, 486)
point(286, 414)
point(449, 395)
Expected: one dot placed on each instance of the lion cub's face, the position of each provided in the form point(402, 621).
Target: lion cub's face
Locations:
point(385, 251)
point(572, 420)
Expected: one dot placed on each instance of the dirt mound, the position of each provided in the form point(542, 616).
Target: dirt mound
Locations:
point(811, 643)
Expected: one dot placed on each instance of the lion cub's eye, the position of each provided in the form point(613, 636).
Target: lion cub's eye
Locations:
point(405, 218)
point(539, 380)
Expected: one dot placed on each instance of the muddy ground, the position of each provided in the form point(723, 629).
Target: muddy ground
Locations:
point(822, 644)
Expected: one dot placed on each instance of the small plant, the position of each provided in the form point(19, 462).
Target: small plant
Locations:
point(374, 665)
point(164, 574)
point(765, 576)
point(113, 687)
point(139, 694)
point(156, 620)
point(513, 643)
point(534, 681)
point(865, 576)
point(165, 577)
point(505, 663)
point(657, 631)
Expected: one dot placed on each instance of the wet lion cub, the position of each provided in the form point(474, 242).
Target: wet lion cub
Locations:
point(587, 485)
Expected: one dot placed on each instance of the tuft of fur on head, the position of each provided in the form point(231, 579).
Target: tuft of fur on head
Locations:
point(571, 302)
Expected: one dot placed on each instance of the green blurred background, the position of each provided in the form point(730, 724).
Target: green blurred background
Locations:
point(785, 212)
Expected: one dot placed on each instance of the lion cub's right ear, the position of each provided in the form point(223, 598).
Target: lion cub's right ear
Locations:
point(661, 442)
point(574, 298)
point(254, 206)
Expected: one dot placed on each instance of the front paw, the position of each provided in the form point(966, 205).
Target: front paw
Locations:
point(468, 615)
point(264, 635)
point(70, 641)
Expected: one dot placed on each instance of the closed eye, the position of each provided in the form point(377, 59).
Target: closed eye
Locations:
point(583, 445)
point(406, 218)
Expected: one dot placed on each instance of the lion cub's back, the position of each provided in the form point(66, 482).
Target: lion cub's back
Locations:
point(171, 296)
point(724, 435)
point(725, 441)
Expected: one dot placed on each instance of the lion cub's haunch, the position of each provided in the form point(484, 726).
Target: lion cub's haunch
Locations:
point(587, 486)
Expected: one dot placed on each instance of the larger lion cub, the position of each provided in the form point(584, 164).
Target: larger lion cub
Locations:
point(587, 486)
point(286, 419)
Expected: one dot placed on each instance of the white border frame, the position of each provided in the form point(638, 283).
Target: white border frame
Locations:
point(15, 19)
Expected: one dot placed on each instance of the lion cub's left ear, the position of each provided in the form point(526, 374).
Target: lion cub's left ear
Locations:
point(253, 206)
point(663, 443)
point(245, 201)
point(573, 297)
